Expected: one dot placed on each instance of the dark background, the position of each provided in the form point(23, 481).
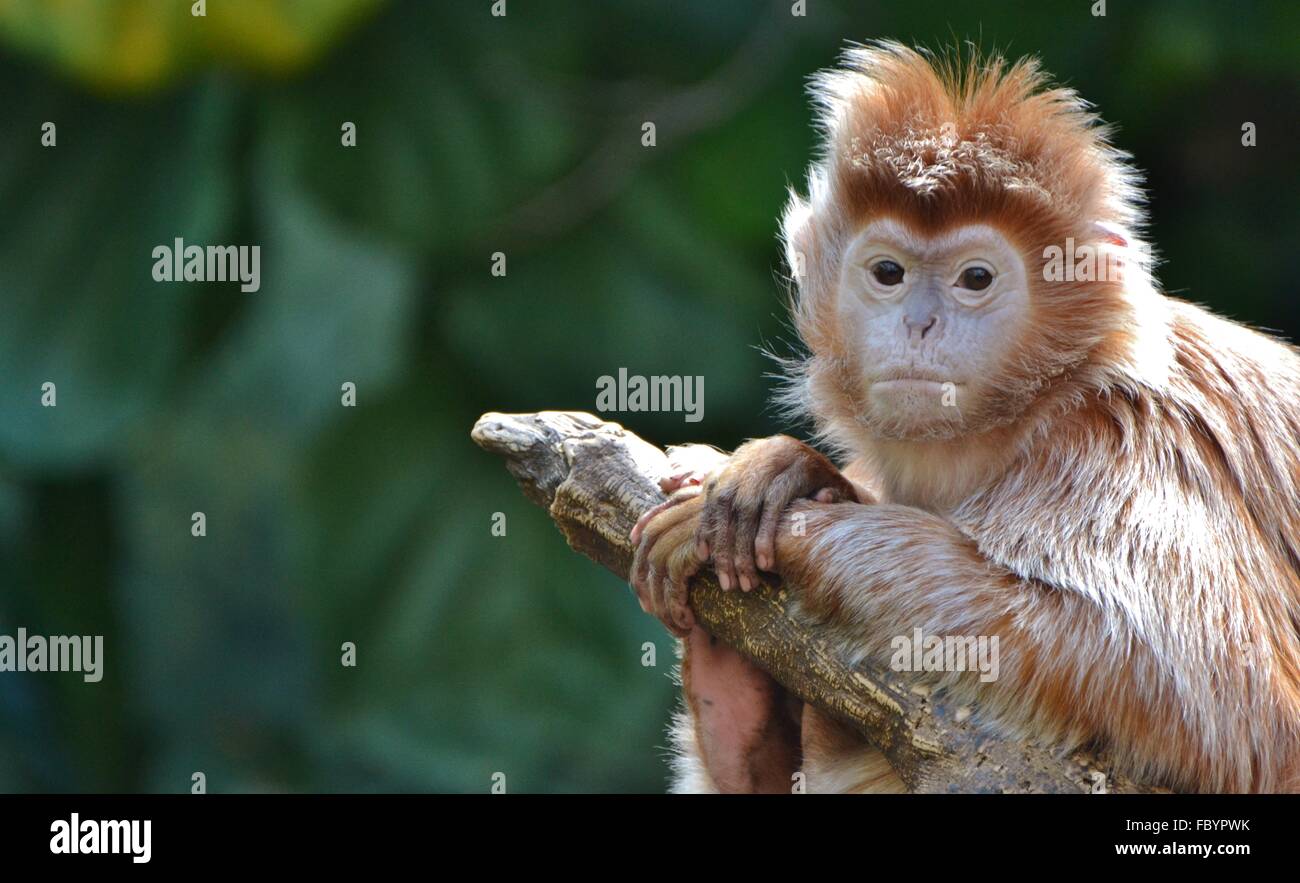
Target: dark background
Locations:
point(476, 653)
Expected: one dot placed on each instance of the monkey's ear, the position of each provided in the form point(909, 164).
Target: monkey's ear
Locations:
point(804, 233)
point(804, 226)
point(796, 235)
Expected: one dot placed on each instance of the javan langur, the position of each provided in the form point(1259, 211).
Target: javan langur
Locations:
point(1057, 454)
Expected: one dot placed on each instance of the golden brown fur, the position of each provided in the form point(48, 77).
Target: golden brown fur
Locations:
point(1119, 503)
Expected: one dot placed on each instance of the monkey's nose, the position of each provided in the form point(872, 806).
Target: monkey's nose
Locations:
point(917, 326)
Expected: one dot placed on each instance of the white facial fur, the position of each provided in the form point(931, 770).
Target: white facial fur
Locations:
point(929, 345)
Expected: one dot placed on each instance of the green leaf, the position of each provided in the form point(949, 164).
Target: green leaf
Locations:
point(81, 308)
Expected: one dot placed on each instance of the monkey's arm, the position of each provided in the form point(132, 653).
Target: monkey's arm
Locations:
point(880, 572)
point(594, 479)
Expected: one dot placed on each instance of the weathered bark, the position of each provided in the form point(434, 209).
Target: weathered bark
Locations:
point(595, 479)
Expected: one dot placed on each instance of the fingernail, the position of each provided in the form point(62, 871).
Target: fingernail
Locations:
point(762, 562)
point(723, 581)
point(744, 584)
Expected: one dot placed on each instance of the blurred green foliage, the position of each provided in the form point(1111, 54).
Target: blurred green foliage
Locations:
point(475, 134)
point(124, 45)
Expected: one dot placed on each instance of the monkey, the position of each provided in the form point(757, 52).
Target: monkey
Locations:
point(1104, 477)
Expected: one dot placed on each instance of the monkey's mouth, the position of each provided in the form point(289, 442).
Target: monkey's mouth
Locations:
point(916, 374)
point(914, 379)
point(915, 393)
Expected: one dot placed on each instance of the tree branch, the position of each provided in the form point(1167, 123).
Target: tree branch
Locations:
point(595, 479)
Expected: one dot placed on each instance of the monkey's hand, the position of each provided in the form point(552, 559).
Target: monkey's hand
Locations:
point(665, 558)
point(665, 537)
point(744, 501)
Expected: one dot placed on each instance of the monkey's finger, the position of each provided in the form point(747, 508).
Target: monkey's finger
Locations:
point(652, 513)
point(662, 602)
point(680, 565)
point(787, 487)
point(677, 604)
point(723, 543)
point(644, 559)
point(654, 594)
point(640, 564)
point(661, 538)
point(765, 538)
point(745, 519)
point(707, 529)
point(639, 577)
point(663, 516)
point(683, 617)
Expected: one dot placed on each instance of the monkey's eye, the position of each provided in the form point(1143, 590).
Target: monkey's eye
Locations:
point(976, 278)
point(887, 272)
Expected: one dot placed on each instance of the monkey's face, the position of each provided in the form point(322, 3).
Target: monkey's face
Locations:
point(929, 323)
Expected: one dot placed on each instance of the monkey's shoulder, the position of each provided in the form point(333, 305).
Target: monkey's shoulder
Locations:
point(1191, 480)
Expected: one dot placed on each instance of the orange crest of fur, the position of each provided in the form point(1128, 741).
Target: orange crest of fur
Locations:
point(941, 142)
